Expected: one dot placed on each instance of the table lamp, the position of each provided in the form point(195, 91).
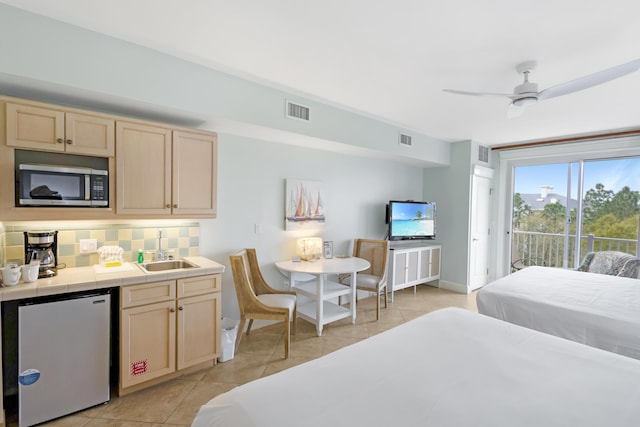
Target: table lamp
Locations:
point(309, 248)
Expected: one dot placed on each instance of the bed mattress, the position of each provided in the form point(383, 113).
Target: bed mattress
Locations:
point(595, 309)
point(450, 367)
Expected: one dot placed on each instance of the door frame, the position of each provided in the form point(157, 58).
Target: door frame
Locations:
point(568, 152)
point(483, 173)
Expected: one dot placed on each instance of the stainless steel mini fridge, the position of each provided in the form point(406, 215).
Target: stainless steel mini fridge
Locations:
point(63, 357)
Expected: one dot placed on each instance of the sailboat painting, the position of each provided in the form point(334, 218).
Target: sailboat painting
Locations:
point(304, 205)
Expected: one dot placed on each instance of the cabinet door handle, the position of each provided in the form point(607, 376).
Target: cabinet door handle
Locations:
point(69, 141)
point(59, 140)
point(181, 308)
point(167, 206)
point(172, 310)
point(175, 206)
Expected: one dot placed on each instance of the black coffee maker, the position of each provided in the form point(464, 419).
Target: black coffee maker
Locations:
point(42, 246)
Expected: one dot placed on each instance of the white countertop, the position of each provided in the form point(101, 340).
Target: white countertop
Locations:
point(87, 278)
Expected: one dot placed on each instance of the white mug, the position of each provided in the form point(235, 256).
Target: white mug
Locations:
point(30, 272)
point(10, 274)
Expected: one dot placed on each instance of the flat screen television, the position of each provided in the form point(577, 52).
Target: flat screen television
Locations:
point(411, 220)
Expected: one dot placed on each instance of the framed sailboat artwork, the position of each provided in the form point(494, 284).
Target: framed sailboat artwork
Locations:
point(304, 205)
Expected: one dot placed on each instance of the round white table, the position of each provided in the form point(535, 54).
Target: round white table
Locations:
point(320, 310)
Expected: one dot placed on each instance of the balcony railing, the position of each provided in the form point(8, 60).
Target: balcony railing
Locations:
point(550, 247)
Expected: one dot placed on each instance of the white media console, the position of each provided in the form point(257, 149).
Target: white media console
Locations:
point(411, 264)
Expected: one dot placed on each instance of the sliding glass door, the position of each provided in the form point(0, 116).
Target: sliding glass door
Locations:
point(610, 200)
point(563, 210)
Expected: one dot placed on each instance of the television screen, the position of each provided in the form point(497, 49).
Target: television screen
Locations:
point(410, 220)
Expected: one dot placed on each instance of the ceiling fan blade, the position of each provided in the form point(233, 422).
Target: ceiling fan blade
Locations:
point(590, 80)
point(464, 92)
point(514, 110)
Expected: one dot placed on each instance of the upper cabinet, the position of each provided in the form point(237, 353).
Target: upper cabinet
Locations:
point(161, 171)
point(143, 169)
point(49, 129)
point(156, 170)
point(194, 163)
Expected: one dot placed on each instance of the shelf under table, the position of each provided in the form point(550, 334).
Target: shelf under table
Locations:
point(330, 290)
point(330, 312)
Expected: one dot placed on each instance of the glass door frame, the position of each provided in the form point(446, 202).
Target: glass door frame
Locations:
point(560, 153)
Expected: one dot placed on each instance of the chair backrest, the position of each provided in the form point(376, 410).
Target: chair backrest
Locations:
point(605, 262)
point(374, 251)
point(242, 280)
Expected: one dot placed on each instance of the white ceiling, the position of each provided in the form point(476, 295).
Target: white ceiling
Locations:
point(390, 59)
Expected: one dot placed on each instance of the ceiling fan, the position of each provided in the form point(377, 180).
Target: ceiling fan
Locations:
point(527, 93)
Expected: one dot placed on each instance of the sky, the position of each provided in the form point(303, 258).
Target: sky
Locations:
point(614, 174)
point(408, 210)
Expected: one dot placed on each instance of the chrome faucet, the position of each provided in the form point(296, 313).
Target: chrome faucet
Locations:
point(162, 254)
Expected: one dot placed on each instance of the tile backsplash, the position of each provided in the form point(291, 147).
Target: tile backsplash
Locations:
point(183, 239)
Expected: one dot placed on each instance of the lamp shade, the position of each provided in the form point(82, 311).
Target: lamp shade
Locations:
point(309, 248)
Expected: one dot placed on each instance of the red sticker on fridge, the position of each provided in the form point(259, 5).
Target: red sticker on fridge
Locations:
point(139, 367)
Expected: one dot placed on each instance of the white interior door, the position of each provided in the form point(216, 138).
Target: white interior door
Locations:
point(480, 230)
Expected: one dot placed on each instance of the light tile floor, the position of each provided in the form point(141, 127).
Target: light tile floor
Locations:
point(260, 354)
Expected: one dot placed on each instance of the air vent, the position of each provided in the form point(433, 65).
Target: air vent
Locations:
point(297, 111)
point(405, 140)
point(483, 153)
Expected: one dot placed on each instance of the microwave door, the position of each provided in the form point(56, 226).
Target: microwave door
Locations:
point(43, 192)
point(53, 189)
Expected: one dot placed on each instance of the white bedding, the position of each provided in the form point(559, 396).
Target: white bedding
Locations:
point(595, 309)
point(448, 368)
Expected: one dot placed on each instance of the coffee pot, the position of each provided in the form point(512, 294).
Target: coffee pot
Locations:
point(42, 246)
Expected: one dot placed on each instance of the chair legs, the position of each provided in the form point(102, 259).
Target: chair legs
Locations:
point(377, 302)
point(240, 332)
point(295, 320)
point(287, 336)
point(287, 331)
point(384, 292)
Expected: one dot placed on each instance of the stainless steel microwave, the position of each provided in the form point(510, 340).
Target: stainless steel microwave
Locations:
point(65, 186)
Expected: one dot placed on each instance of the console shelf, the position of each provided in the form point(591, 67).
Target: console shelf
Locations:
point(413, 264)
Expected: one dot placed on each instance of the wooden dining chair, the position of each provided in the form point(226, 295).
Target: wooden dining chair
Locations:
point(258, 300)
point(373, 279)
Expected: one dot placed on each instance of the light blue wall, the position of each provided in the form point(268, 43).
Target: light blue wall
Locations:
point(450, 188)
point(252, 191)
point(40, 51)
point(55, 62)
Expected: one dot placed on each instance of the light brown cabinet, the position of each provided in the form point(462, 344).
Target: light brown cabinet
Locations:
point(155, 170)
point(143, 169)
point(48, 129)
point(164, 171)
point(166, 327)
point(194, 165)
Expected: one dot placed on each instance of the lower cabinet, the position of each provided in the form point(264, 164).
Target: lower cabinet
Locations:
point(410, 265)
point(166, 327)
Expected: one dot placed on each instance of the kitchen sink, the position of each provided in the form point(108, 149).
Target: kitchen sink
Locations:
point(173, 264)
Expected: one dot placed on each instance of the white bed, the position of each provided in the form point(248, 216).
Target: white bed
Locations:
point(450, 367)
point(595, 309)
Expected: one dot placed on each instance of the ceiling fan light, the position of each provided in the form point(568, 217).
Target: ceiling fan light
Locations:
point(523, 102)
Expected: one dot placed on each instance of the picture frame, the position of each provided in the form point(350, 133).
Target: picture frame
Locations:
point(327, 247)
point(304, 205)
